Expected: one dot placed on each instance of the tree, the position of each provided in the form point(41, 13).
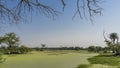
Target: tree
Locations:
point(2, 40)
point(113, 43)
point(12, 40)
point(114, 38)
point(95, 48)
point(91, 48)
point(23, 49)
point(98, 48)
point(43, 46)
point(77, 48)
point(22, 8)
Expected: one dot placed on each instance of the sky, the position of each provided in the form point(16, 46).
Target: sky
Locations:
point(63, 31)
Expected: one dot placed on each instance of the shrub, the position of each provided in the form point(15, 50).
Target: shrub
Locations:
point(83, 66)
point(24, 49)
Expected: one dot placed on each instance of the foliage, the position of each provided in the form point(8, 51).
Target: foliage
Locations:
point(12, 50)
point(114, 38)
point(11, 39)
point(113, 43)
point(24, 49)
point(58, 48)
point(77, 48)
point(12, 42)
point(95, 48)
point(3, 49)
point(83, 66)
point(91, 48)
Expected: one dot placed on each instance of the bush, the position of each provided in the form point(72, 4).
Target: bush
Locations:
point(95, 48)
point(83, 66)
point(24, 49)
point(16, 50)
point(12, 50)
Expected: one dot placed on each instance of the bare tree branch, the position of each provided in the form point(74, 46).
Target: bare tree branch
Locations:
point(64, 4)
point(23, 8)
point(90, 6)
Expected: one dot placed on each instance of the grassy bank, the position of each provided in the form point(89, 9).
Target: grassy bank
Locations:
point(102, 61)
point(107, 59)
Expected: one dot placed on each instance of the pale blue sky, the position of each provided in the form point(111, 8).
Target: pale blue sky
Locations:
point(63, 31)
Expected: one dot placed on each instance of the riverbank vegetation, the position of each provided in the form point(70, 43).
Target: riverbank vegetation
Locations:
point(109, 56)
point(10, 45)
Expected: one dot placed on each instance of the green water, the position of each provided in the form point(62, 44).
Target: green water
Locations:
point(46, 60)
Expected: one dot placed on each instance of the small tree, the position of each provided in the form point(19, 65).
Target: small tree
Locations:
point(91, 48)
point(23, 49)
point(12, 40)
point(95, 48)
point(77, 48)
point(43, 46)
point(113, 43)
point(98, 48)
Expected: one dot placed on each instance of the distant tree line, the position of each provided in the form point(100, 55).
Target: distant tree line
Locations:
point(58, 48)
point(95, 49)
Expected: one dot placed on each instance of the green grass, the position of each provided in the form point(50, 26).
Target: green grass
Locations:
point(83, 66)
point(47, 59)
point(105, 60)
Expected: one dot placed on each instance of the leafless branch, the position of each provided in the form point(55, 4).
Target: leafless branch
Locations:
point(64, 4)
point(90, 6)
point(24, 8)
